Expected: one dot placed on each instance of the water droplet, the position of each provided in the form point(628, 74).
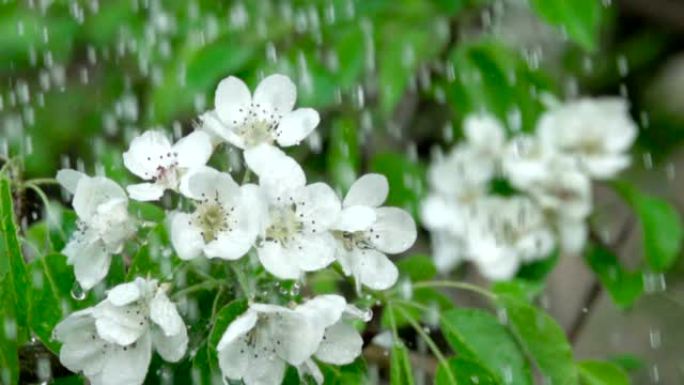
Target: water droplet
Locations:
point(77, 292)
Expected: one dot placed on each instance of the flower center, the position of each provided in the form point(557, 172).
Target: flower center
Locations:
point(285, 223)
point(211, 218)
point(353, 240)
point(259, 126)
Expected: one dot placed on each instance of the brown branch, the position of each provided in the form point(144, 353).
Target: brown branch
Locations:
point(668, 13)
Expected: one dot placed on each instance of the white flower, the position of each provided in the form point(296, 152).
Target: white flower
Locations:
point(151, 156)
point(463, 175)
point(484, 133)
point(257, 345)
point(295, 237)
point(525, 161)
point(246, 120)
point(365, 232)
point(112, 342)
point(508, 231)
point(103, 224)
point(226, 220)
point(597, 132)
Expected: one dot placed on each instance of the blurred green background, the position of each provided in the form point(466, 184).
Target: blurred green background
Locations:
point(391, 79)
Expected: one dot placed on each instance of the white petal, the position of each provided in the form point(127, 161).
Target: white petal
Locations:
point(573, 235)
point(484, 132)
point(238, 328)
point(171, 347)
point(394, 231)
point(124, 294)
point(277, 262)
point(120, 325)
point(299, 337)
point(309, 367)
point(145, 192)
point(193, 150)
point(355, 218)
point(129, 366)
point(186, 238)
point(93, 192)
point(265, 370)
point(448, 250)
point(208, 183)
point(369, 190)
point(341, 345)
point(374, 269)
point(91, 263)
point(80, 351)
point(438, 213)
point(209, 122)
point(230, 245)
point(164, 313)
point(233, 359)
point(322, 206)
point(69, 178)
point(605, 167)
point(312, 252)
point(277, 172)
point(325, 310)
point(278, 92)
point(296, 125)
point(146, 152)
point(232, 101)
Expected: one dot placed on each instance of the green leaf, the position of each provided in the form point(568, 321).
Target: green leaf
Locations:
point(12, 264)
point(154, 258)
point(354, 373)
point(417, 268)
point(426, 297)
point(147, 211)
point(660, 223)
point(542, 339)
point(539, 270)
point(467, 372)
point(223, 318)
point(344, 156)
point(9, 355)
point(202, 373)
point(406, 180)
point(628, 362)
point(624, 286)
point(579, 18)
point(519, 288)
point(51, 301)
point(479, 336)
point(602, 373)
point(400, 366)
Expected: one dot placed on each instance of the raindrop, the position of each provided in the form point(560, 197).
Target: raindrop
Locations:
point(77, 292)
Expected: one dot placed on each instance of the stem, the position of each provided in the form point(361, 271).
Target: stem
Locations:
point(456, 285)
point(246, 176)
point(39, 181)
point(242, 281)
point(46, 203)
point(200, 286)
point(430, 343)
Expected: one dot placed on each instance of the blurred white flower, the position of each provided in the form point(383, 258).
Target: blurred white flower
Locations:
point(247, 121)
point(152, 157)
point(508, 232)
point(257, 345)
point(365, 232)
point(525, 161)
point(597, 132)
point(103, 224)
point(295, 235)
point(226, 220)
point(111, 343)
point(485, 134)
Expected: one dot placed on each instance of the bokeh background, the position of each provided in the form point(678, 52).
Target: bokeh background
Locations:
point(392, 80)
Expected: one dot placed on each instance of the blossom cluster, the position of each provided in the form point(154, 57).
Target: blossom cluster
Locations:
point(292, 226)
point(549, 174)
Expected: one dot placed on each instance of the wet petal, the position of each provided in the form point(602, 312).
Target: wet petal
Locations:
point(193, 150)
point(124, 294)
point(341, 344)
point(238, 328)
point(277, 92)
point(186, 238)
point(374, 269)
point(163, 312)
point(128, 365)
point(69, 178)
point(312, 252)
point(146, 152)
point(296, 125)
point(171, 347)
point(369, 190)
point(277, 262)
point(232, 100)
point(394, 231)
point(355, 218)
point(145, 192)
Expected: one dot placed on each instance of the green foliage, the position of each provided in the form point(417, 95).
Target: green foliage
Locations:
point(467, 372)
point(406, 180)
point(580, 19)
point(400, 366)
point(624, 286)
point(417, 268)
point(660, 223)
point(602, 373)
point(480, 337)
point(519, 288)
point(344, 155)
point(542, 339)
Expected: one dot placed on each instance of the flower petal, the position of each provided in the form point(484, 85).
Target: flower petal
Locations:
point(230, 245)
point(171, 347)
point(124, 294)
point(120, 325)
point(146, 152)
point(92, 192)
point(322, 206)
point(145, 192)
point(296, 125)
point(81, 349)
point(232, 100)
point(233, 359)
point(193, 150)
point(277, 172)
point(394, 231)
point(355, 218)
point(369, 190)
point(374, 269)
point(238, 328)
point(278, 92)
point(341, 345)
point(325, 310)
point(163, 312)
point(91, 263)
point(186, 239)
point(128, 365)
point(265, 370)
point(209, 122)
point(312, 252)
point(69, 178)
point(208, 183)
point(299, 336)
point(277, 262)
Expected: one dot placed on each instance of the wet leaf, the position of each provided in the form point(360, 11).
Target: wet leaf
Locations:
point(400, 366)
point(417, 268)
point(579, 18)
point(624, 286)
point(602, 373)
point(466, 371)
